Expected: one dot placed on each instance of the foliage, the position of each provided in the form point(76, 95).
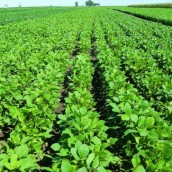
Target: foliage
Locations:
point(11, 15)
point(132, 116)
point(155, 14)
point(89, 3)
point(163, 5)
point(85, 89)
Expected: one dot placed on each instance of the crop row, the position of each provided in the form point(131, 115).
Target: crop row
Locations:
point(83, 142)
point(162, 15)
point(143, 136)
point(151, 38)
point(140, 67)
point(31, 84)
point(162, 5)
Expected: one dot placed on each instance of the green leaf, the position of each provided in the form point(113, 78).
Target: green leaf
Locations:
point(96, 140)
point(130, 131)
point(136, 160)
point(78, 144)
point(63, 152)
point(125, 117)
point(143, 132)
point(149, 122)
point(46, 169)
point(115, 107)
point(55, 147)
point(28, 100)
point(67, 131)
point(74, 153)
point(4, 158)
point(13, 158)
point(14, 112)
point(77, 94)
point(28, 163)
point(70, 141)
point(116, 99)
point(83, 150)
point(111, 84)
point(90, 159)
point(101, 169)
point(55, 167)
point(137, 139)
point(112, 140)
point(127, 108)
point(66, 166)
point(62, 117)
point(13, 161)
point(8, 166)
point(22, 151)
point(134, 118)
point(96, 162)
point(83, 169)
point(141, 121)
point(60, 75)
point(139, 168)
point(15, 138)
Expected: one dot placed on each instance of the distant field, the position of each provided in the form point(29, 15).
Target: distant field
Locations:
point(157, 14)
point(9, 15)
point(164, 5)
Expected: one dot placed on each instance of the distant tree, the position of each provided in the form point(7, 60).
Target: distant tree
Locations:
point(76, 4)
point(89, 3)
point(19, 5)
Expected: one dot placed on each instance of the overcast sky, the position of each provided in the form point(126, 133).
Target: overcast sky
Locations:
point(14, 3)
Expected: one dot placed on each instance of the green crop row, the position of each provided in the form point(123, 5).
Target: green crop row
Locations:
point(163, 5)
point(140, 30)
point(163, 15)
point(144, 138)
point(83, 143)
point(157, 48)
point(139, 62)
point(31, 84)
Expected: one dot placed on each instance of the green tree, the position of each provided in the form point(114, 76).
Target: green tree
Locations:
point(89, 3)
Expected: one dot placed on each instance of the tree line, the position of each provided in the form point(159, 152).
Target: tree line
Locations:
point(88, 3)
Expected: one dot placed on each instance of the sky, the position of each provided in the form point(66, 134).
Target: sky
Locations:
point(25, 3)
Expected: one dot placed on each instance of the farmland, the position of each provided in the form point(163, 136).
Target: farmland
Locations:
point(18, 14)
point(162, 15)
point(161, 5)
point(85, 89)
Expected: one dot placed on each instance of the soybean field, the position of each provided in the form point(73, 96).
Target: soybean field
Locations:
point(85, 89)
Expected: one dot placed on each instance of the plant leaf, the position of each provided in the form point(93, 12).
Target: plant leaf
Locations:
point(83, 150)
